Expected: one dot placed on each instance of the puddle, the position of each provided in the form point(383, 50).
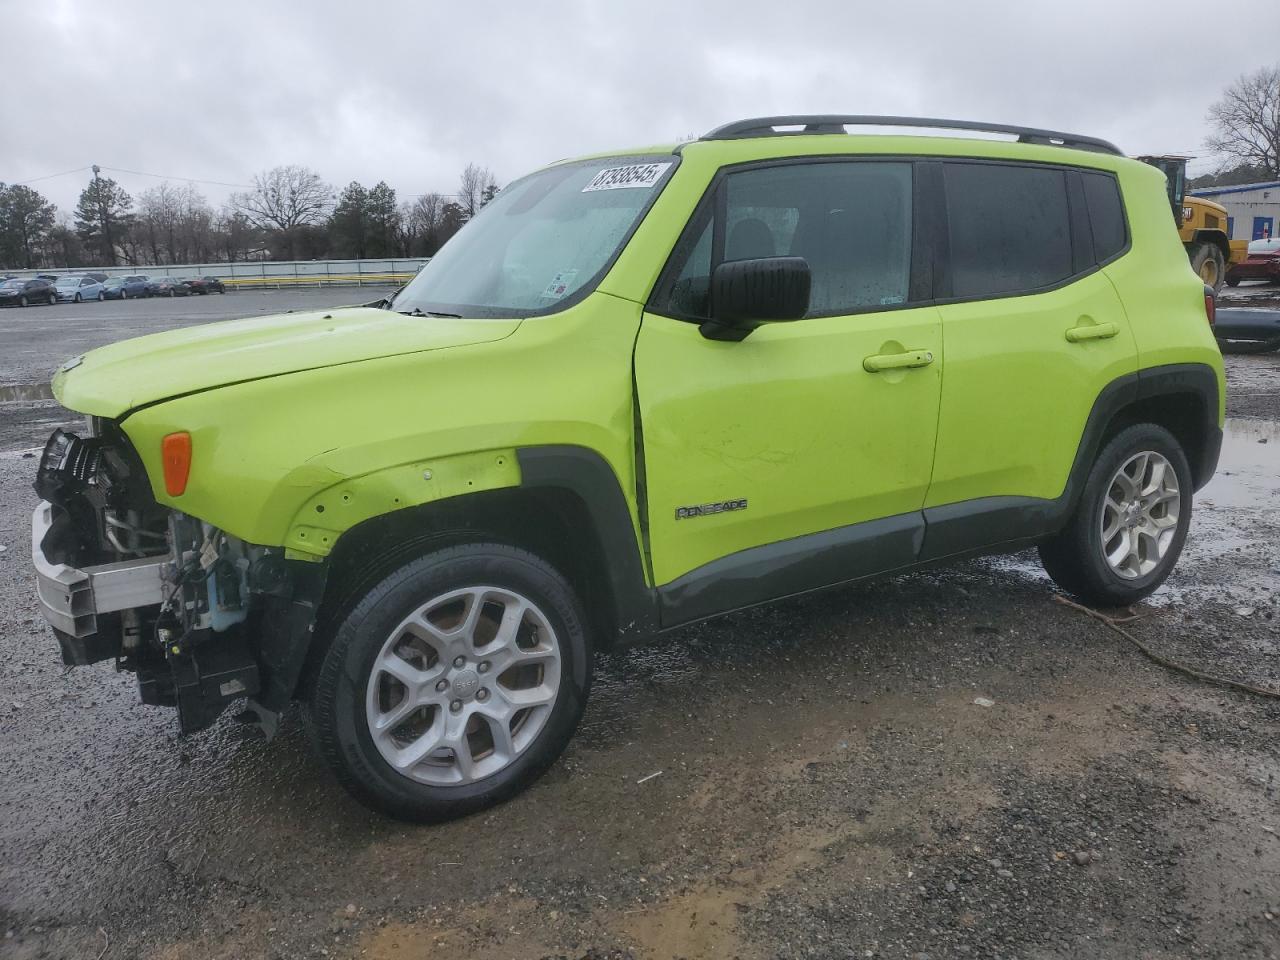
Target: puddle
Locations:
point(1248, 474)
point(1234, 514)
point(26, 391)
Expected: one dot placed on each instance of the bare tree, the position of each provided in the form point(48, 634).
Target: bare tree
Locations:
point(236, 237)
point(156, 221)
point(476, 187)
point(285, 199)
point(425, 218)
point(1246, 121)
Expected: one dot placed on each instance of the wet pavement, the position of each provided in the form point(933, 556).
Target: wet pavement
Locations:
point(812, 779)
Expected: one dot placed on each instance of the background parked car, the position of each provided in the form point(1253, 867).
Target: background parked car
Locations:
point(20, 293)
point(77, 288)
point(100, 277)
point(1262, 263)
point(125, 288)
point(170, 287)
point(206, 285)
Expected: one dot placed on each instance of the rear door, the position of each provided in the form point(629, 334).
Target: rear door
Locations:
point(1034, 331)
point(784, 461)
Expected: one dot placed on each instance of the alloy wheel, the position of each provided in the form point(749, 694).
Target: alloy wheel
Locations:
point(463, 686)
point(1139, 515)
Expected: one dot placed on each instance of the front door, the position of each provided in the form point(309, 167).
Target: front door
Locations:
point(799, 456)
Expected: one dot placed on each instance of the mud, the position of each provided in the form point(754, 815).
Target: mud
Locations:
point(827, 785)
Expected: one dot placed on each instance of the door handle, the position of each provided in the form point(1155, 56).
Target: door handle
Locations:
point(1092, 331)
point(897, 361)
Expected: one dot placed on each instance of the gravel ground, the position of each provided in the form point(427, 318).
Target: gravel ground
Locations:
point(827, 785)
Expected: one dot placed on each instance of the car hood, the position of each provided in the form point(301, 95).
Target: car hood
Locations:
point(113, 380)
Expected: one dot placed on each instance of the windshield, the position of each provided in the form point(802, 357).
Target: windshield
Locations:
point(68, 281)
point(543, 242)
point(10, 284)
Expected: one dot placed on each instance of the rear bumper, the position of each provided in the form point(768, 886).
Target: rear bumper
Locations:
point(1255, 271)
point(72, 599)
point(1246, 323)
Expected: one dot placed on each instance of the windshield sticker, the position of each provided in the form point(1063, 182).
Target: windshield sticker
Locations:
point(618, 178)
point(559, 284)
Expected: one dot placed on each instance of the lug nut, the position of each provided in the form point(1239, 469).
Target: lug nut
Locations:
point(455, 706)
point(459, 662)
point(482, 694)
point(442, 685)
point(484, 667)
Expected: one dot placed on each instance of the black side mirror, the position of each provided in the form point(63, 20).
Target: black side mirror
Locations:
point(747, 293)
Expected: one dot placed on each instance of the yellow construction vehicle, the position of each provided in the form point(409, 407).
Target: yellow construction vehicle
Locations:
point(1202, 225)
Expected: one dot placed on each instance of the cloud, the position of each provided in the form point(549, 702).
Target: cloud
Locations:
point(410, 92)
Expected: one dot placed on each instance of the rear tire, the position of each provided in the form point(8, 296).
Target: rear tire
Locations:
point(1078, 557)
point(1208, 262)
point(396, 629)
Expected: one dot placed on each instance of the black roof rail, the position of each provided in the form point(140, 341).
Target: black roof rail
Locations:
point(836, 123)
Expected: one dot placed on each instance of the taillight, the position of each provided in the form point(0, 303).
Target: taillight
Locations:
point(175, 454)
point(1210, 305)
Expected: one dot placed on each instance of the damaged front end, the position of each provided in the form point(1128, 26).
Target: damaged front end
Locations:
point(201, 617)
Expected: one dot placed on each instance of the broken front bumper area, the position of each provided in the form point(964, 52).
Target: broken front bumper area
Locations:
point(84, 605)
point(199, 633)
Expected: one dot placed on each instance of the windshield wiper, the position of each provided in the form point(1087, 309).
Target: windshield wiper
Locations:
point(419, 312)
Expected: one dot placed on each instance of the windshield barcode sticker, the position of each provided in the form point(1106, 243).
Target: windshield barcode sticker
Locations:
point(635, 175)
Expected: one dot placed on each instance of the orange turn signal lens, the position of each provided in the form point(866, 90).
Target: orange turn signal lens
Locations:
point(175, 453)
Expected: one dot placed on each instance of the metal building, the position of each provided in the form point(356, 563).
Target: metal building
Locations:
point(1253, 209)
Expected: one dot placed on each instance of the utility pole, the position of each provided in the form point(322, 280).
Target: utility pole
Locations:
point(105, 217)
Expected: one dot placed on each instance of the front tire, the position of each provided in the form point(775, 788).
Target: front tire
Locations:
point(453, 684)
point(1208, 262)
point(78, 298)
point(1129, 526)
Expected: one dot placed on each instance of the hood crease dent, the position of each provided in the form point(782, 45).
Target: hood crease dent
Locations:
point(122, 377)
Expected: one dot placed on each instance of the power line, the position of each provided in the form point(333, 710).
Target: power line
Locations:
point(136, 173)
point(139, 173)
point(65, 173)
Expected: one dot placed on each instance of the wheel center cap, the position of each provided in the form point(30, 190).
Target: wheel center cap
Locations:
point(465, 683)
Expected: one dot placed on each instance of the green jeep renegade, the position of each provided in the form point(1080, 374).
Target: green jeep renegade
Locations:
point(639, 390)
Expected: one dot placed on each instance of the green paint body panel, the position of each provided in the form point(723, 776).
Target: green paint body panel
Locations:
point(348, 409)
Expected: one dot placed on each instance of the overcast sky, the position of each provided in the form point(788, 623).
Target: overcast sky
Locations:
point(410, 92)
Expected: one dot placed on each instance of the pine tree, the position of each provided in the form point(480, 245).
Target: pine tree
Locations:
point(103, 217)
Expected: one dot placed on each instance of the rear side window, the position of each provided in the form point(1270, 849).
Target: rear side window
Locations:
point(849, 220)
point(1106, 214)
point(1009, 228)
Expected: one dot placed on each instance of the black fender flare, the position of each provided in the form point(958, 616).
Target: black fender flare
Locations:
point(584, 473)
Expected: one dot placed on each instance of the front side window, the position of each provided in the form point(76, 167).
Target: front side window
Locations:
point(849, 220)
point(541, 242)
point(1009, 228)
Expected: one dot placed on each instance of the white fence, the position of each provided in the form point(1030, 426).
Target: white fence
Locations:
point(263, 273)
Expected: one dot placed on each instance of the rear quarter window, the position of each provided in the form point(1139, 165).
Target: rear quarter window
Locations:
point(1106, 215)
point(1009, 228)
